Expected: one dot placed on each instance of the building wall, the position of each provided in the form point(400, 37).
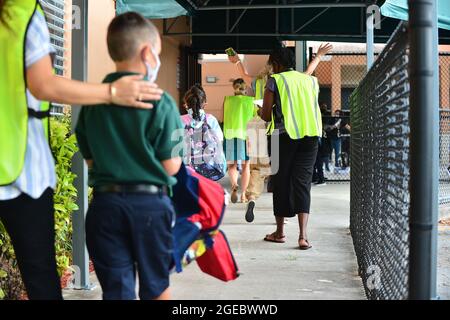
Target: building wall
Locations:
point(225, 72)
point(338, 72)
point(168, 77)
point(100, 12)
point(323, 73)
point(255, 63)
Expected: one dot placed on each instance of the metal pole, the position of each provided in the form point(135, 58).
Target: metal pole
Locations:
point(300, 56)
point(370, 40)
point(283, 6)
point(424, 148)
point(239, 18)
point(307, 36)
point(79, 72)
point(435, 213)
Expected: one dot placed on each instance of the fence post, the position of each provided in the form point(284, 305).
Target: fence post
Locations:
point(300, 56)
point(424, 149)
point(369, 40)
point(79, 72)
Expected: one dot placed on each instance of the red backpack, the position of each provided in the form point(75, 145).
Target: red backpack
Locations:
point(218, 261)
point(200, 206)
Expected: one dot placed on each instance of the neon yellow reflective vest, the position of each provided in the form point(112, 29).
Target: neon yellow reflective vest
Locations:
point(238, 111)
point(14, 110)
point(299, 104)
point(260, 85)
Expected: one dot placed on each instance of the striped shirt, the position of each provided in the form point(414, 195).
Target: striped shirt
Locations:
point(38, 172)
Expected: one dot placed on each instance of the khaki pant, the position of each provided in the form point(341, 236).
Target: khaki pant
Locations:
point(258, 175)
point(259, 158)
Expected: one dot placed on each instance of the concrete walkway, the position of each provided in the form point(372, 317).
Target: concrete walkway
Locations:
point(279, 271)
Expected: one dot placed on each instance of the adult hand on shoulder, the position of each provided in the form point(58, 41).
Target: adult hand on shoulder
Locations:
point(133, 90)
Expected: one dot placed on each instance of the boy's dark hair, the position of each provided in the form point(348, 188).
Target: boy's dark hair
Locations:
point(126, 33)
point(194, 99)
point(283, 57)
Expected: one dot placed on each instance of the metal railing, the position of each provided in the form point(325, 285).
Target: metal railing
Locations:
point(380, 176)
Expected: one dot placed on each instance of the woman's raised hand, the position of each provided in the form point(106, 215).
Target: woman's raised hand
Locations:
point(234, 59)
point(324, 49)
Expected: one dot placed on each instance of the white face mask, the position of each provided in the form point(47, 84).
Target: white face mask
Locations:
point(152, 73)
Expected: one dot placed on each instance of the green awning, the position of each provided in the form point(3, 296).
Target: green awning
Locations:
point(152, 9)
point(398, 9)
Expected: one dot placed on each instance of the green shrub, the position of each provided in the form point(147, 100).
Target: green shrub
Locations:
point(11, 286)
point(63, 146)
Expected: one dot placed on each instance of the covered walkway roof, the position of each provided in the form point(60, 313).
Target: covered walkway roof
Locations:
point(256, 26)
point(253, 26)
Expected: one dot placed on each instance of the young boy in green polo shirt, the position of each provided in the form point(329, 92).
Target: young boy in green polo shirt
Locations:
point(130, 156)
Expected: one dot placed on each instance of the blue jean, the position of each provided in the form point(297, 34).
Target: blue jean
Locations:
point(336, 145)
point(129, 232)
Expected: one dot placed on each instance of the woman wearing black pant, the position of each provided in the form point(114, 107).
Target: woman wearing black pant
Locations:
point(290, 101)
point(27, 175)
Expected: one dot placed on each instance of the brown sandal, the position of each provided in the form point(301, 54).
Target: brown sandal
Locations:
point(273, 238)
point(304, 247)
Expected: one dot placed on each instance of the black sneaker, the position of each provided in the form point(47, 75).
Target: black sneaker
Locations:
point(249, 215)
point(321, 183)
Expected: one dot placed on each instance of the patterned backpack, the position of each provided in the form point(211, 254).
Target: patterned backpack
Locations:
point(203, 150)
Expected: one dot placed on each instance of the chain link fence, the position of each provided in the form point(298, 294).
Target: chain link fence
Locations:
point(444, 157)
point(444, 135)
point(379, 219)
point(339, 74)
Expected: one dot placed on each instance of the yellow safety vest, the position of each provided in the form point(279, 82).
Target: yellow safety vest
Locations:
point(14, 111)
point(299, 104)
point(260, 85)
point(238, 111)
